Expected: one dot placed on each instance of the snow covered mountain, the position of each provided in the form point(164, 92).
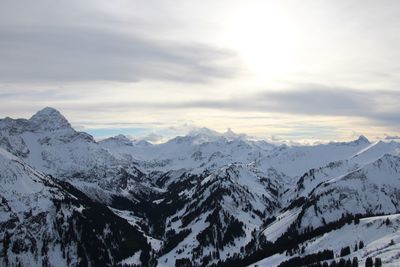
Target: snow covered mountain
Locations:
point(46, 222)
point(200, 150)
point(49, 144)
point(204, 199)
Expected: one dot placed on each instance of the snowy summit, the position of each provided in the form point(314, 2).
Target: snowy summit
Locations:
point(204, 199)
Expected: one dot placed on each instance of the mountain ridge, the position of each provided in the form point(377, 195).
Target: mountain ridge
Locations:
point(204, 199)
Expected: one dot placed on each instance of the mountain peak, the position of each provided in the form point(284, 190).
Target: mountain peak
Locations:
point(118, 140)
point(231, 135)
point(203, 131)
point(362, 140)
point(50, 119)
point(47, 111)
point(121, 137)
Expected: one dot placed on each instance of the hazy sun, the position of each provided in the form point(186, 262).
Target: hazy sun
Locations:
point(264, 35)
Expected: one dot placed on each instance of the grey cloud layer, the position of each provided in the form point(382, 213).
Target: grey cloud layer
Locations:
point(316, 101)
point(71, 47)
point(322, 101)
point(380, 106)
point(389, 137)
point(82, 54)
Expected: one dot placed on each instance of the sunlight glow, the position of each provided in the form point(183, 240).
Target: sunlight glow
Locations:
point(265, 36)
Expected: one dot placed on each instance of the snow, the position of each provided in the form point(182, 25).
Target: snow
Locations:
point(49, 119)
point(134, 259)
point(158, 201)
point(168, 260)
point(376, 151)
point(372, 231)
point(280, 225)
point(274, 260)
point(28, 194)
point(295, 161)
point(253, 175)
point(20, 185)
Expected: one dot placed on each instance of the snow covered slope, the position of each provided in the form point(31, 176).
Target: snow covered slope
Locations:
point(199, 150)
point(379, 236)
point(327, 201)
point(296, 160)
point(204, 199)
point(49, 144)
point(371, 189)
point(47, 222)
point(219, 213)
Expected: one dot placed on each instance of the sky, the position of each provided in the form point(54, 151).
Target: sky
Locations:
point(282, 70)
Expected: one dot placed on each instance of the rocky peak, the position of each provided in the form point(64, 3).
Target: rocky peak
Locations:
point(49, 119)
point(362, 140)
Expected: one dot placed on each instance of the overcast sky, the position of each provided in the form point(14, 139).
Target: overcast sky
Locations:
point(298, 70)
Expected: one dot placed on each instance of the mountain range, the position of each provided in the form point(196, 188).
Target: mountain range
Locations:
point(203, 199)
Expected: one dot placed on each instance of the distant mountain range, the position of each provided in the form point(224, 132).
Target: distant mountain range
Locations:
point(204, 199)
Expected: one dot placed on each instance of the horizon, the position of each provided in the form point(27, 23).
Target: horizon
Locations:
point(296, 72)
point(157, 138)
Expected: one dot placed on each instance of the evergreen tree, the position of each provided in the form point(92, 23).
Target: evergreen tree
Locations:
point(342, 263)
point(345, 251)
point(369, 262)
point(378, 262)
point(355, 262)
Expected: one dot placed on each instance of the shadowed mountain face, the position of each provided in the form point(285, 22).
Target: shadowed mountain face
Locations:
point(202, 199)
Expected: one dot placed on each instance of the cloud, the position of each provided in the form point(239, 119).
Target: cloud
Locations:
point(73, 48)
point(392, 137)
point(119, 123)
point(377, 105)
point(81, 56)
point(88, 54)
point(153, 138)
